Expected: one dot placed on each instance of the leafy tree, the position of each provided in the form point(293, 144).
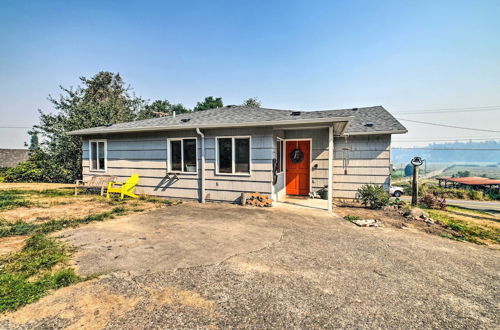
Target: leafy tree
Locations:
point(209, 103)
point(34, 141)
point(101, 100)
point(462, 174)
point(409, 170)
point(252, 102)
point(160, 106)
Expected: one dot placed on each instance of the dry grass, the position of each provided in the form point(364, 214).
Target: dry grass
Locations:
point(40, 203)
point(43, 207)
point(57, 208)
point(34, 186)
point(11, 244)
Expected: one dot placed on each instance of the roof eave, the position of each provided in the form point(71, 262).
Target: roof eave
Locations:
point(205, 126)
point(402, 131)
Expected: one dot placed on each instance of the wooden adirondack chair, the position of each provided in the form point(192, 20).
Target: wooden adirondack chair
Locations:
point(125, 189)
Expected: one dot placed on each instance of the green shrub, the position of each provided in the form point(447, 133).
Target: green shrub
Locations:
point(40, 167)
point(24, 172)
point(475, 194)
point(351, 217)
point(432, 202)
point(373, 196)
point(493, 196)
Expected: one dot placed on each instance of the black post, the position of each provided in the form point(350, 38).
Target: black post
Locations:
point(416, 162)
point(414, 191)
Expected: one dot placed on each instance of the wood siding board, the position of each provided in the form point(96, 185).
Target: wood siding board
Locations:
point(146, 154)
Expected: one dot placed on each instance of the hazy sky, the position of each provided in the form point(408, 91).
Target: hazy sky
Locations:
point(307, 55)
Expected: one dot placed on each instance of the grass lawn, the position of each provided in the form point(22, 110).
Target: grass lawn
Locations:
point(469, 225)
point(27, 275)
point(37, 263)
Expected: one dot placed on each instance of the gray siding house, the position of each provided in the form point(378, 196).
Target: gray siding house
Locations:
point(217, 154)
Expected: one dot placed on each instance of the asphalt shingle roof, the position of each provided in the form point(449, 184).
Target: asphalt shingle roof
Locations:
point(379, 118)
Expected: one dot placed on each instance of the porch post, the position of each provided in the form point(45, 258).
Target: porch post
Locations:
point(330, 169)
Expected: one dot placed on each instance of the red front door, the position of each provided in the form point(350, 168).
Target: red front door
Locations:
point(298, 163)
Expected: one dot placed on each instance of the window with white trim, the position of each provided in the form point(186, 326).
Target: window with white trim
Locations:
point(233, 155)
point(97, 155)
point(182, 155)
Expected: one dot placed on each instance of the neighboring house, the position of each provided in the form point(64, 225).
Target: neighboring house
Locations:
point(12, 157)
point(217, 154)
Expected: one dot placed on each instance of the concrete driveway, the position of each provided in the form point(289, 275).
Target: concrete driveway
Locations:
point(219, 266)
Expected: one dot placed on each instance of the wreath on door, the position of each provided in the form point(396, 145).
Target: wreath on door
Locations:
point(296, 156)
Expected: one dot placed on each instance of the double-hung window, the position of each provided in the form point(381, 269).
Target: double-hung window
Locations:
point(182, 155)
point(97, 155)
point(233, 155)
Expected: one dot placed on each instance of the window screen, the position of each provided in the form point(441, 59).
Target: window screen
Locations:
point(225, 155)
point(242, 155)
point(189, 146)
point(175, 155)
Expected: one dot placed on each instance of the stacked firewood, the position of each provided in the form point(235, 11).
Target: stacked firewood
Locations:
point(256, 199)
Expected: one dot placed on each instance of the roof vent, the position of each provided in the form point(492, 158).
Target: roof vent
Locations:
point(368, 124)
point(185, 120)
point(354, 109)
point(295, 113)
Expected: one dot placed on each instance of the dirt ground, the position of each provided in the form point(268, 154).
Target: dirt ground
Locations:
point(392, 218)
point(225, 266)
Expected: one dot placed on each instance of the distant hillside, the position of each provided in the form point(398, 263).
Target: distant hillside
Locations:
point(451, 156)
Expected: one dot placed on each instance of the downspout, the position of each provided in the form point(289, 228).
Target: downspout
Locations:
point(330, 169)
point(202, 199)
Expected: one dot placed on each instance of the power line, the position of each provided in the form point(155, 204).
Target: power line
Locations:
point(449, 140)
point(451, 149)
point(450, 126)
point(453, 110)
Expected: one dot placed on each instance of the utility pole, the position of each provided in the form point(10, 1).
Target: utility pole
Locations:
point(416, 162)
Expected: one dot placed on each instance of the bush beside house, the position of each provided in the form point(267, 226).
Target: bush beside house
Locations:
point(373, 196)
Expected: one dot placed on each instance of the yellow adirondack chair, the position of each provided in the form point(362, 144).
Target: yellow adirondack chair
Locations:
point(125, 189)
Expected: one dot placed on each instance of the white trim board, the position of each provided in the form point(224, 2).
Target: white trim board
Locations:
point(233, 154)
point(169, 155)
point(105, 170)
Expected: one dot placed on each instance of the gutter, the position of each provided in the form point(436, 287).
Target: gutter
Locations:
point(91, 131)
point(202, 198)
